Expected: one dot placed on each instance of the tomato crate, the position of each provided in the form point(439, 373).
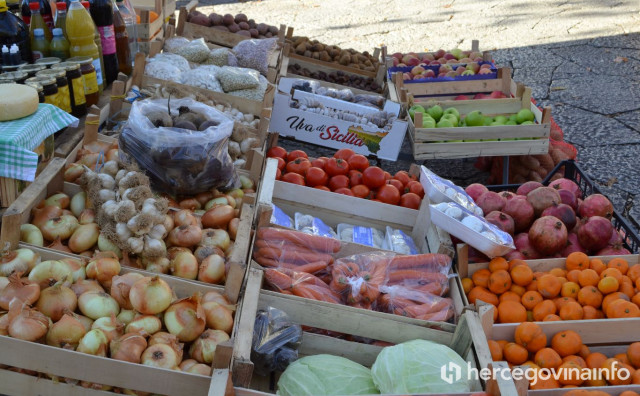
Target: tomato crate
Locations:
point(54, 364)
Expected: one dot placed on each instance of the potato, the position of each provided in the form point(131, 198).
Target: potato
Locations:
point(254, 33)
point(234, 28)
point(201, 19)
point(324, 56)
point(262, 28)
point(273, 30)
point(244, 26)
point(315, 55)
point(244, 33)
point(268, 35)
point(345, 59)
point(307, 53)
point(300, 49)
point(215, 19)
point(334, 53)
point(252, 23)
point(227, 19)
point(241, 18)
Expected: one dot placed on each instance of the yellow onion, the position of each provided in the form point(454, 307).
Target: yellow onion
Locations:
point(162, 356)
point(84, 237)
point(168, 224)
point(204, 197)
point(211, 270)
point(150, 295)
point(190, 203)
point(72, 172)
point(215, 238)
point(202, 252)
point(31, 234)
point(218, 201)
point(21, 289)
point(77, 267)
point(26, 323)
point(233, 227)
point(128, 347)
point(59, 227)
point(110, 325)
point(184, 265)
point(120, 286)
point(218, 217)
point(78, 203)
point(144, 324)
point(94, 342)
point(185, 318)
point(219, 298)
point(5, 319)
point(126, 316)
point(162, 337)
point(19, 260)
point(103, 267)
point(50, 272)
point(105, 245)
point(218, 317)
point(67, 332)
point(60, 200)
point(203, 349)
point(55, 300)
point(97, 305)
point(4, 282)
point(202, 369)
point(59, 246)
point(158, 265)
point(85, 285)
point(86, 322)
point(184, 217)
point(187, 363)
point(41, 215)
point(185, 236)
point(87, 216)
point(173, 251)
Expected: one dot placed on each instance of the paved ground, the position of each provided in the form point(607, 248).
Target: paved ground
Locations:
point(580, 57)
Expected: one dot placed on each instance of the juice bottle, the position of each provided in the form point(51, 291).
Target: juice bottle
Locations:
point(59, 45)
point(102, 14)
point(47, 14)
point(80, 30)
point(25, 12)
point(14, 31)
point(96, 39)
point(122, 40)
point(61, 17)
point(130, 20)
point(37, 21)
point(39, 45)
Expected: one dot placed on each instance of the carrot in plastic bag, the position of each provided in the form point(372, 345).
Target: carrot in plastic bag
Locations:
point(317, 243)
point(439, 316)
point(278, 279)
point(292, 256)
point(315, 292)
point(423, 309)
point(434, 262)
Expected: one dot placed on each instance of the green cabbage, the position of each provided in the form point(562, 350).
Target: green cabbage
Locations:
point(416, 367)
point(326, 375)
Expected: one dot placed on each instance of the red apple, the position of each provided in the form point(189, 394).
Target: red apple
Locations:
point(473, 66)
point(461, 97)
point(485, 71)
point(479, 96)
point(439, 53)
point(429, 73)
point(460, 69)
point(442, 75)
point(417, 70)
point(497, 95)
point(442, 60)
point(413, 62)
point(486, 66)
point(474, 55)
point(434, 63)
point(452, 61)
point(465, 60)
point(428, 57)
point(397, 55)
point(407, 76)
point(445, 68)
point(478, 59)
point(449, 56)
point(451, 74)
point(395, 61)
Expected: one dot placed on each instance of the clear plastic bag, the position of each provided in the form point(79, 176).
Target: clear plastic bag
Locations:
point(236, 78)
point(202, 77)
point(176, 60)
point(363, 235)
point(443, 190)
point(219, 57)
point(358, 278)
point(399, 242)
point(313, 225)
point(280, 218)
point(175, 43)
point(423, 273)
point(301, 284)
point(179, 161)
point(254, 54)
point(196, 51)
point(163, 71)
point(406, 302)
point(275, 341)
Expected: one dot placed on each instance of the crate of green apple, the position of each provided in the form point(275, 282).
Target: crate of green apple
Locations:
point(349, 174)
point(446, 132)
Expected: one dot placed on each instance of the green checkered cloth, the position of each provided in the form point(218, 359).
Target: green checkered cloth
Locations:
point(18, 139)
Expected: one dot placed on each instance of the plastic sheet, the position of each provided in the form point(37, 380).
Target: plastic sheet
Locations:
point(399, 242)
point(236, 78)
point(300, 284)
point(254, 54)
point(406, 302)
point(313, 226)
point(363, 235)
point(358, 278)
point(179, 161)
point(347, 95)
point(444, 190)
point(275, 341)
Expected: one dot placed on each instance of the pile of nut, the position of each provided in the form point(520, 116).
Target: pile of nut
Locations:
point(239, 24)
point(334, 54)
point(338, 77)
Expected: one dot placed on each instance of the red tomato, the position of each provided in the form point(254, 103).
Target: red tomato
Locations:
point(388, 194)
point(413, 177)
point(396, 183)
point(410, 200)
point(376, 200)
point(387, 176)
point(403, 177)
point(278, 174)
point(373, 177)
point(323, 188)
point(344, 154)
point(316, 177)
point(319, 163)
point(336, 166)
point(298, 165)
point(277, 152)
point(281, 163)
point(345, 191)
point(355, 177)
point(415, 187)
point(338, 181)
point(361, 191)
point(294, 178)
point(296, 154)
point(358, 162)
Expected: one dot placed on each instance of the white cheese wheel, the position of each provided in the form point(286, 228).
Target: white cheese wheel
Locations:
point(17, 101)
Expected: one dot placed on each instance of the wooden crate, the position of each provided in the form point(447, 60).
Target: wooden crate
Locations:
point(65, 363)
point(438, 143)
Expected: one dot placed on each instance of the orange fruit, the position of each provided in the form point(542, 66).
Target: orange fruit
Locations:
point(629, 393)
point(620, 264)
point(551, 318)
point(589, 312)
point(502, 343)
point(595, 360)
point(534, 285)
point(597, 265)
point(576, 359)
point(608, 285)
point(591, 296)
point(615, 375)
point(622, 357)
point(566, 343)
point(588, 277)
point(584, 351)
point(570, 289)
point(480, 293)
point(542, 309)
point(636, 299)
point(612, 272)
point(635, 378)
point(516, 262)
point(509, 296)
point(481, 277)
point(521, 275)
point(467, 285)
point(515, 354)
point(569, 374)
point(612, 297)
point(550, 383)
point(634, 272)
point(547, 358)
point(498, 263)
point(562, 301)
point(571, 311)
point(549, 286)
point(499, 281)
point(559, 272)
point(577, 261)
point(622, 309)
point(627, 288)
point(573, 276)
point(530, 336)
point(496, 350)
point(511, 312)
point(519, 290)
point(530, 299)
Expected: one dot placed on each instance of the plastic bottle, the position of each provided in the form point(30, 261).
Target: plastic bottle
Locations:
point(122, 41)
point(6, 58)
point(129, 15)
point(59, 45)
point(61, 17)
point(15, 55)
point(25, 12)
point(39, 45)
point(14, 31)
point(96, 39)
point(47, 14)
point(80, 30)
point(102, 14)
point(38, 22)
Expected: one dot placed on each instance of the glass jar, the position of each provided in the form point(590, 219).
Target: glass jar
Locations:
point(48, 62)
point(64, 98)
point(38, 87)
point(76, 87)
point(49, 88)
point(17, 77)
point(31, 70)
point(89, 78)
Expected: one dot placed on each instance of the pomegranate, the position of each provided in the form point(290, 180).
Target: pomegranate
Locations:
point(566, 184)
point(573, 245)
point(594, 233)
point(562, 212)
point(475, 190)
point(501, 220)
point(491, 201)
point(521, 211)
point(616, 238)
point(527, 187)
point(507, 195)
point(548, 235)
point(525, 247)
point(568, 198)
point(543, 197)
point(616, 250)
point(515, 255)
point(596, 205)
point(475, 256)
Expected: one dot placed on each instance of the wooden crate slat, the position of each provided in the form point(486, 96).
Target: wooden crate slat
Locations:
point(483, 149)
point(482, 132)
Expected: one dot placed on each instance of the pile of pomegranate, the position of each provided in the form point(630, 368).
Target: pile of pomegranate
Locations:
point(550, 222)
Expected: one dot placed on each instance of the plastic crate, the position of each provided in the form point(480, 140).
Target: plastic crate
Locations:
point(630, 238)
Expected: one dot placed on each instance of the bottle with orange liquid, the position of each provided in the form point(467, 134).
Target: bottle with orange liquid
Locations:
point(80, 32)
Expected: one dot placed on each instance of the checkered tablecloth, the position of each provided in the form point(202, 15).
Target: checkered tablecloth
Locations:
point(18, 139)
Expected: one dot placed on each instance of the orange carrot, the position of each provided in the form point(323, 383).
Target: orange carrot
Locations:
point(311, 268)
point(439, 316)
point(278, 279)
point(429, 260)
point(317, 243)
point(278, 254)
point(315, 293)
point(423, 276)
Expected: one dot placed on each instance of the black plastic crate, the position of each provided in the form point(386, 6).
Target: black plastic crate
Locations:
point(572, 171)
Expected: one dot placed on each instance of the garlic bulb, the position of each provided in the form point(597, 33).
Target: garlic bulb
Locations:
point(153, 247)
point(105, 195)
point(110, 207)
point(106, 181)
point(136, 245)
point(110, 168)
point(157, 232)
point(123, 232)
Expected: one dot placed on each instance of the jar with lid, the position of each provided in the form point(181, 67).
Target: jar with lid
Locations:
point(31, 70)
point(17, 77)
point(89, 78)
point(49, 88)
point(48, 61)
point(76, 87)
point(38, 87)
point(64, 98)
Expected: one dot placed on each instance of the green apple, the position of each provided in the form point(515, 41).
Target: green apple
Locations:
point(454, 111)
point(500, 119)
point(428, 122)
point(510, 122)
point(414, 108)
point(487, 121)
point(450, 117)
point(444, 123)
point(435, 112)
point(468, 73)
point(475, 118)
point(527, 123)
point(457, 52)
point(524, 115)
point(496, 123)
point(512, 117)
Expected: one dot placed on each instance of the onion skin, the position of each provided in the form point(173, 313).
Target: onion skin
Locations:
point(87, 216)
point(128, 347)
point(86, 322)
point(199, 368)
point(60, 200)
point(215, 238)
point(185, 236)
point(4, 282)
point(126, 316)
point(162, 356)
point(19, 260)
point(111, 327)
point(77, 268)
point(218, 316)
point(73, 172)
point(67, 332)
point(57, 245)
point(212, 270)
point(28, 325)
point(150, 295)
point(184, 265)
point(82, 286)
point(84, 237)
point(187, 363)
point(31, 234)
point(144, 324)
point(167, 339)
point(203, 349)
point(233, 227)
point(21, 289)
point(218, 217)
point(41, 215)
point(204, 197)
point(120, 287)
point(97, 305)
point(78, 203)
point(54, 301)
point(50, 272)
point(94, 342)
point(190, 204)
point(202, 252)
point(103, 269)
point(185, 319)
point(219, 298)
point(59, 227)
point(184, 217)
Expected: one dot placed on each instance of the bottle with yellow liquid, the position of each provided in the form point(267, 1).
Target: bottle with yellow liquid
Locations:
point(80, 32)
